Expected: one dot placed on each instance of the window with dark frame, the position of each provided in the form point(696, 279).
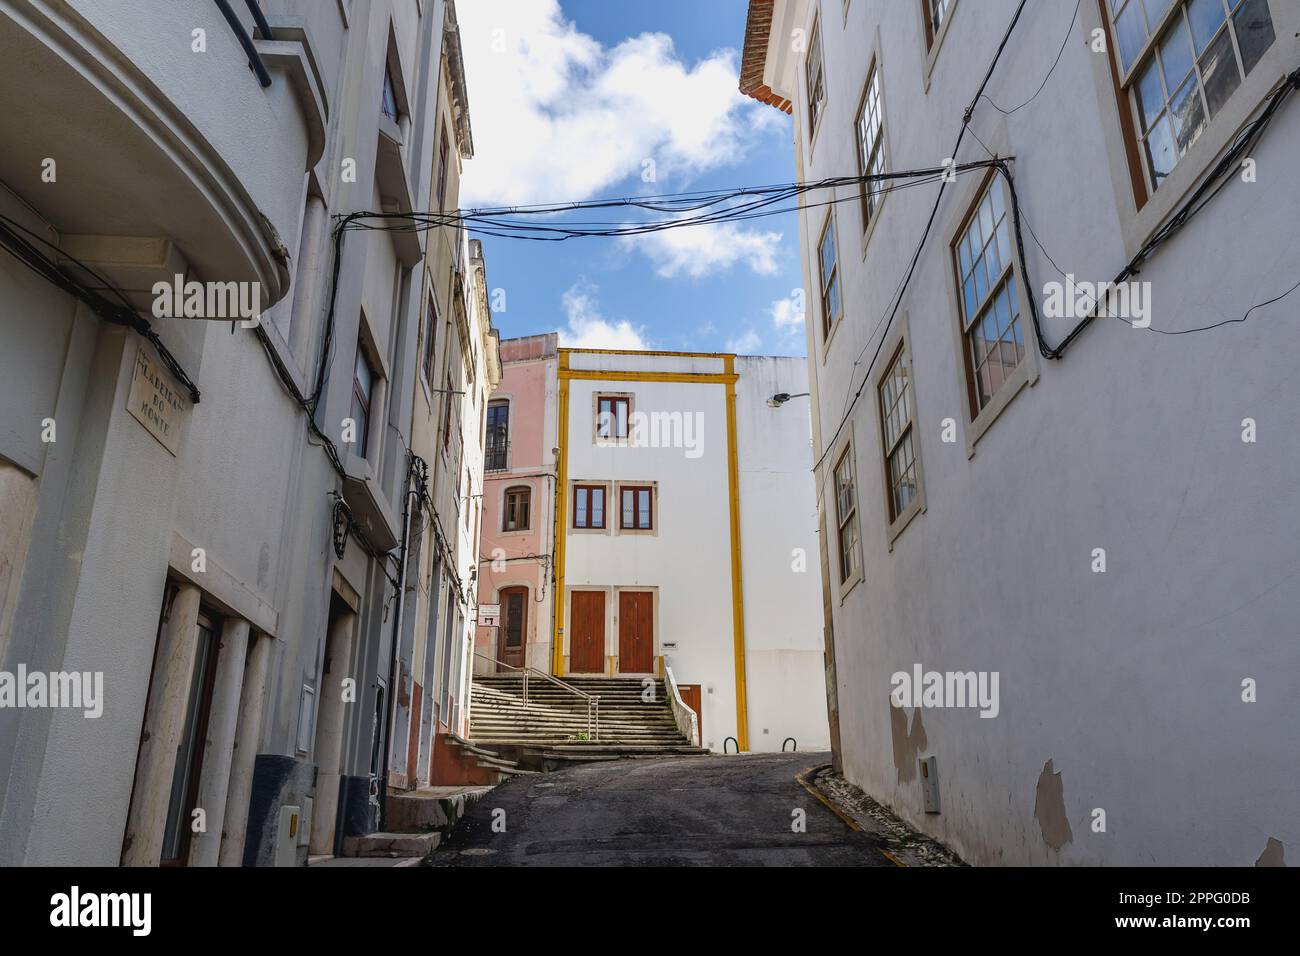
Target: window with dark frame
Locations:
point(388, 100)
point(430, 339)
point(992, 332)
point(636, 507)
point(448, 395)
point(870, 128)
point(442, 171)
point(814, 75)
point(612, 412)
point(936, 14)
point(846, 515)
point(497, 439)
point(517, 506)
point(828, 272)
point(589, 506)
point(1180, 61)
point(901, 470)
point(363, 382)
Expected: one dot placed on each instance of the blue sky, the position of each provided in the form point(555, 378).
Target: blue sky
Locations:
point(569, 99)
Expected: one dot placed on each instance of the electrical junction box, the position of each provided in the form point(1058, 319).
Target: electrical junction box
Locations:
point(286, 836)
point(930, 783)
point(304, 824)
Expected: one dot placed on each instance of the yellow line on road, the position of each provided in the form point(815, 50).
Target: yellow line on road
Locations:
point(847, 820)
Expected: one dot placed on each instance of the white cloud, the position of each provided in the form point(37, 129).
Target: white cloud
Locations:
point(788, 314)
point(588, 329)
point(745, 344)
point(557, 116)
point(697, 251)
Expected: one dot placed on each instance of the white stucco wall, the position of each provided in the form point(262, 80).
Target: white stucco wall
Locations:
point(781, 566)
point(1129, 682)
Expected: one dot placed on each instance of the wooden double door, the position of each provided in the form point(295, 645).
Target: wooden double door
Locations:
point(635, 632)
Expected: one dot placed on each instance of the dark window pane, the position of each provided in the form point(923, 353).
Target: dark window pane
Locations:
point(1254, 28)
point(1219, 67)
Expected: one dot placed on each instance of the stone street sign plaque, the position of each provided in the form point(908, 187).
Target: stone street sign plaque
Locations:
point(156, 400)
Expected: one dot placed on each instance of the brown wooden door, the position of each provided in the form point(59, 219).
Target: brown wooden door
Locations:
point(513, 631)
point(587, 633)
point(691, 698)
point(636, 636)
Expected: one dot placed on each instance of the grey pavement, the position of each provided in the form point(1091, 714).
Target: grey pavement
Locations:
point(686, 811)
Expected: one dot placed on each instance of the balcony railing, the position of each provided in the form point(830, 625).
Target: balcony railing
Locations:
point(495, 456)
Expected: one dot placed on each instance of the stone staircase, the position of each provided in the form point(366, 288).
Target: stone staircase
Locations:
point(550, 730)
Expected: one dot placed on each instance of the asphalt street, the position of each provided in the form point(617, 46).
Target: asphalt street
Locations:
point(689, 811)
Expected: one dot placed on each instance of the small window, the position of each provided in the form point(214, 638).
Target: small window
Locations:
point(846, 514)
point(430, 338)
point(442, 171)
point(990, 308)
point(936, 15)
point(901, 469)
point(518, 503)
point(363, 381)
point(612, 412)
point(388, 102)
point(448, 395)
point(871, 146)
point(1181, 62)
point(589, 506)
point(637, 507)
point(828, 271)
point(814, 76)
point(498, 436)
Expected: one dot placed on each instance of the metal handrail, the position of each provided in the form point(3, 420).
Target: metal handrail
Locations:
point(593, 700)
point(254, 58)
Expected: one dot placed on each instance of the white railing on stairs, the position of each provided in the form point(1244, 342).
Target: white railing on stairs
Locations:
point(688, 723)
point(593, 700)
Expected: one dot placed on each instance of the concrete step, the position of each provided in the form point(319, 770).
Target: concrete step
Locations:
point(431, 808)
point(392, 845)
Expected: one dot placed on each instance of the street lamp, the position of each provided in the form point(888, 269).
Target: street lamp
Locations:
point(780, 398)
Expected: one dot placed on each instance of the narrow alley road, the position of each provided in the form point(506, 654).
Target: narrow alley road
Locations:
point(715, 811)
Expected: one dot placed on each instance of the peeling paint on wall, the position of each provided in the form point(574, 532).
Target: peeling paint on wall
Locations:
point(906, 745)
point(1049, 808)
point(1274, 854)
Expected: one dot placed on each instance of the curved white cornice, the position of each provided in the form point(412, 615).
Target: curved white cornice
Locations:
point(75, 41)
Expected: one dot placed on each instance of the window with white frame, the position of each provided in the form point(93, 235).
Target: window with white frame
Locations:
point(814, 76)
point(871, 145)
point(992, 331)
point(901, 470)
point(1180, 61)
point(829, 274)
point(936, 15)
point(846, 516)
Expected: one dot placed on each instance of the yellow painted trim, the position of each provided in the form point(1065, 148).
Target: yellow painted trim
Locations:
point(847, 820)
point(605, 375)
point(717, 355)
point(737, 590)
point(727, 377)
point(561, 518)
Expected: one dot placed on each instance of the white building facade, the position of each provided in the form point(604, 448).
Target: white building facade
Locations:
point(1105, 524)
point(220, 556)
point(679, 549)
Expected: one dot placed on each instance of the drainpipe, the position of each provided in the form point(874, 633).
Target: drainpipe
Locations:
point(414, 485)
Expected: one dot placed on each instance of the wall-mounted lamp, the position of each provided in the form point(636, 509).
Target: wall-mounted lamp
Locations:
point(780, 398)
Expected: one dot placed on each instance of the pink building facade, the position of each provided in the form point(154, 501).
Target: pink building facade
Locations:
point(518, 540)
